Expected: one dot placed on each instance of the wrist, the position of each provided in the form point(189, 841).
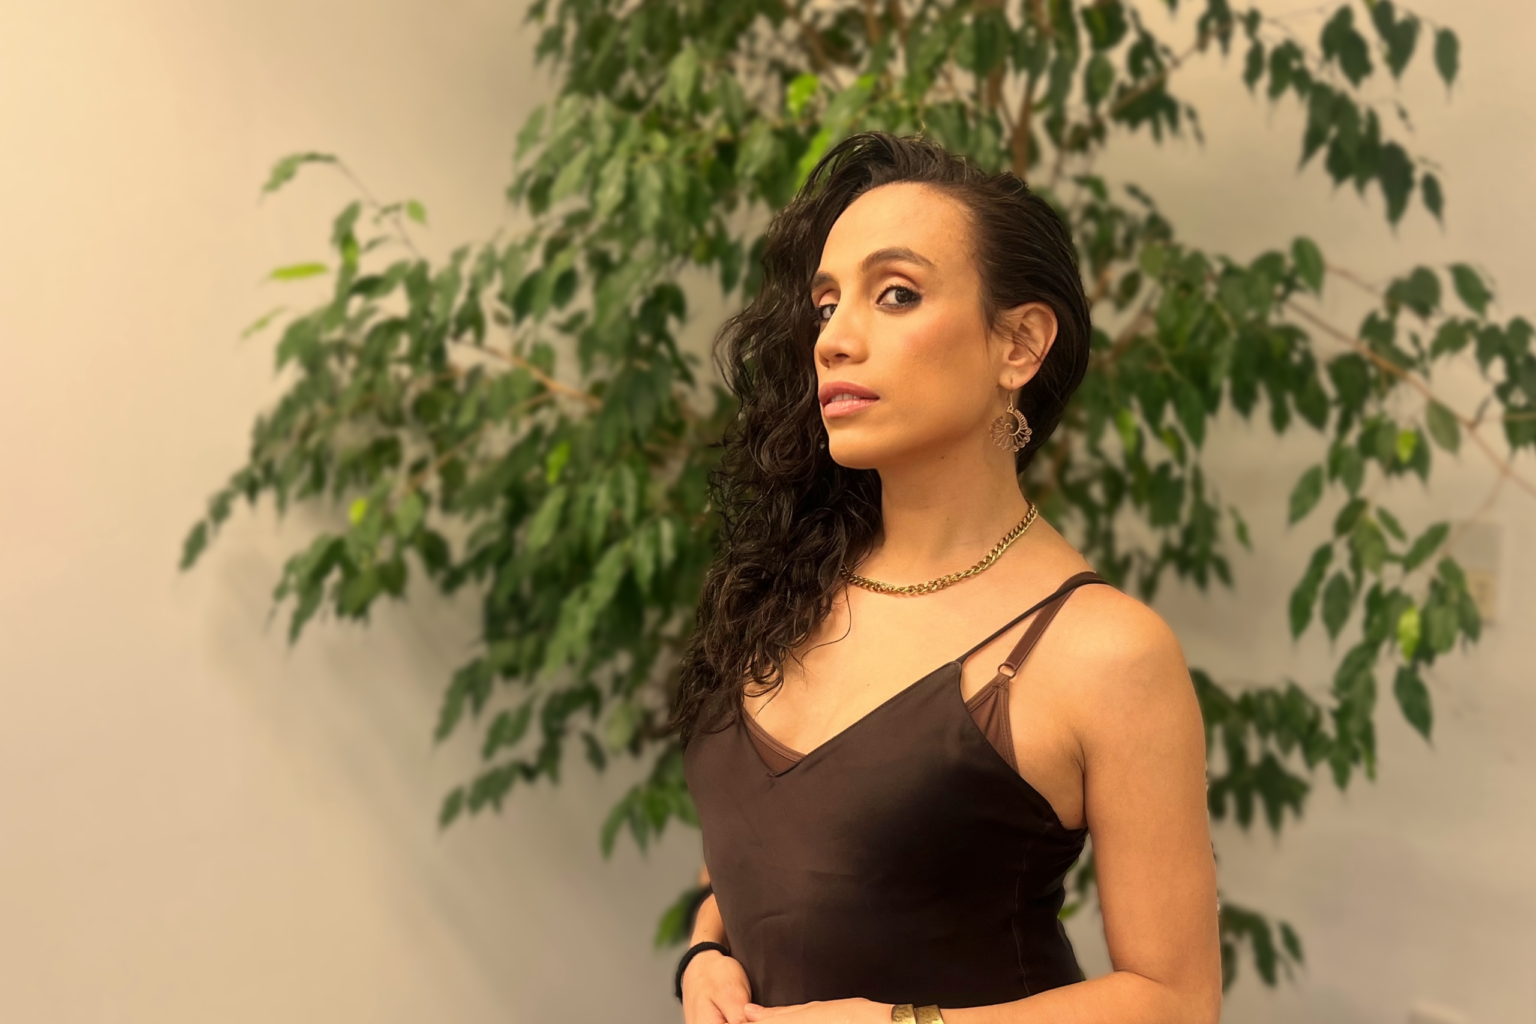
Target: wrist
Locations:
point(695, 951)
point(703, 957)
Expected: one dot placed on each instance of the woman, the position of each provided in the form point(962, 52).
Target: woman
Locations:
point(884, 849)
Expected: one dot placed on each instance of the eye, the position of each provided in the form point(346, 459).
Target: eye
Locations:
point(824, 313)
point(904, 296)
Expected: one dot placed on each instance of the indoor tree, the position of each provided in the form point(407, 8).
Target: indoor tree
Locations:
point(519, 419)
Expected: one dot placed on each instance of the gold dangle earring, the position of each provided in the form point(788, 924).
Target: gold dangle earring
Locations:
point(1011, 431)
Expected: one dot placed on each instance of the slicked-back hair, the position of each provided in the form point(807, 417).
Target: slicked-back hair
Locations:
point(790, 516)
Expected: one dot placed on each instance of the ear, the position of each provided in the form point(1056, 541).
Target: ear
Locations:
point(1027, 333)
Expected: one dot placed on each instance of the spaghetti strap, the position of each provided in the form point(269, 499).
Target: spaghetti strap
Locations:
point(1033, 633)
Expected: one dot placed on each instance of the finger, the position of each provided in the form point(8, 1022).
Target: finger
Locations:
point(733, 1007)
point(756, 1012)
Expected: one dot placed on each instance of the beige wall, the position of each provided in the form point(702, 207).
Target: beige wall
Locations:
point(203, 825)
point(1419, 889)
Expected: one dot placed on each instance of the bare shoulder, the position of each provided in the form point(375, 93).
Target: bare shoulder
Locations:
point(1127, 671)
point(1112, 629)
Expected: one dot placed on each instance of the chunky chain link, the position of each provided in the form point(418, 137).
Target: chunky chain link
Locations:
point(955, 577)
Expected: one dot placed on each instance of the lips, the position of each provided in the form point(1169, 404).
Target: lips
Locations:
point(843, 398)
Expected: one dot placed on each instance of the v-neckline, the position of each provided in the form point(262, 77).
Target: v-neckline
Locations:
point(801, 757)
point(1047, 808)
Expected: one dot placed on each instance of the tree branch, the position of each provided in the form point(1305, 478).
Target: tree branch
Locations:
point(537, 374)
point(1418, 384)
point(421, 476)
point(898, 18)
point(871, 23)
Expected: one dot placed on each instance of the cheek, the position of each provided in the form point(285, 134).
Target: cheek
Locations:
point(941, 365)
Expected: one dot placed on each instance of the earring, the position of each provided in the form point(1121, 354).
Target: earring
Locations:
point(1011, 430)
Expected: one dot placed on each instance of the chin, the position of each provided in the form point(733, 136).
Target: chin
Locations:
point(860, 452)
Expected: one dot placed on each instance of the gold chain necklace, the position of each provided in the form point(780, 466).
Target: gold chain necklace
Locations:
point(955, 577)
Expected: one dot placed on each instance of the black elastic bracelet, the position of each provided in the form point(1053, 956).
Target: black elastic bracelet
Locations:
point(693, 951)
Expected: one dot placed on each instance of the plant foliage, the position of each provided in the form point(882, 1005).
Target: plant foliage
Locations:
point(519, 419)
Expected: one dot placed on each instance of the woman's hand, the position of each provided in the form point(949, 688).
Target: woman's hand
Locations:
point(715, 990)
point(837, 1011)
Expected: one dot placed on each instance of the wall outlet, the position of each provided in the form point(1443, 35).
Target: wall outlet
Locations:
point(1424, 1013)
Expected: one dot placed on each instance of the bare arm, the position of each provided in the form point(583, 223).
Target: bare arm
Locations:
point(1142, 751)
point(715, 988)
point(1143, 755)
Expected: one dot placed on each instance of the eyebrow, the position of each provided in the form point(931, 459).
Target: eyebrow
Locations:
point(890, 254)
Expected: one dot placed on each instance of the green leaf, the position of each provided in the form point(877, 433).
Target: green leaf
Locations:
point(1098, 76)
point(1304, 597)
point(683, 76)
point(612, 184)
point(1394, 171)
point(1419, 291)
point(800, 92)
point(1342, 43)
point(1369, 544)
point(193, 547)
point(1407, 441)
point(820, 143)
point(1425, 546)
point(1338, 600)
point(605, 578)
point(530, 132)
point(1348, 516)
point(260, 323)
point(611, 825)
point(1443, 426)
point(1400, 36)
point(1447, 55)
point(284, 170)
point(408, 514)
point(416, 211)
point(1434, 198)
point(547, 519)
point(1408, 631)
point(556, 461)
point(1389, 521)
point(1451, 338)
point(1346, 465)
point(1253, 65)
point(1106, 23)
point(1413, 697)
point(650, 189)
point(1291, 940)
point(1240, 528)
point(573, 176)
point(452, 807)
point(1470, 288)
point(1309, 263)
point(619, 732)
point(1307, 492)
point(298, 271)
point(507, 730)
point(672, 929)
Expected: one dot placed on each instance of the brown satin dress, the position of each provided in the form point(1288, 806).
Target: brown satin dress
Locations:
point(904, 860)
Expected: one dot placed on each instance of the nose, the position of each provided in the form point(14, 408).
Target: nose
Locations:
point(843, 339)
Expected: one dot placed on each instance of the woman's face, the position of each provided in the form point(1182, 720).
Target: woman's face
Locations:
point(906, 367)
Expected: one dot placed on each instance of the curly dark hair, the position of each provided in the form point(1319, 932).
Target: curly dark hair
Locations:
point(790, 516)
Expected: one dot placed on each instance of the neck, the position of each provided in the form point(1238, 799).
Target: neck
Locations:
point(942, 515)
